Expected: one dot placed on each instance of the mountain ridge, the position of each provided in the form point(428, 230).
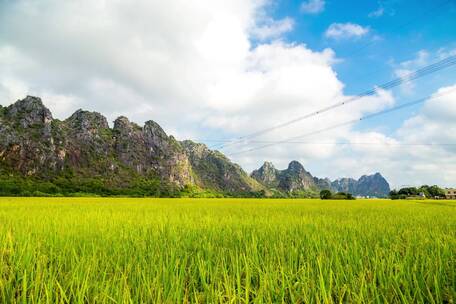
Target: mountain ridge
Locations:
point(295, 178)
point(84, 150)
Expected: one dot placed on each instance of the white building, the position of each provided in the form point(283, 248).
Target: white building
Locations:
point(450, 193)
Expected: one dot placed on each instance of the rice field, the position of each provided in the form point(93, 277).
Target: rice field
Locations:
point(124, 250)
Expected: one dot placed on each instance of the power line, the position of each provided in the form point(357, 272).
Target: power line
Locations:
point(348, 143)
point(402, 106)
point(424, 71)
point(409, 22)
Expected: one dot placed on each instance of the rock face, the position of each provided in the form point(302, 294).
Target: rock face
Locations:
point(32, 143)
point(296, 178)
point(348, 185)
point(215, 171)
point(26, 140)
point(373, 185)
point(148, 150)
point(368, 185)
point(267, 175)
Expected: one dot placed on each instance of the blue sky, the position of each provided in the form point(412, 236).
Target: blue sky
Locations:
point(400, 30)
point(217, 69)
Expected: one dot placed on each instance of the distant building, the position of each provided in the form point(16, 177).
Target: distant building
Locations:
point(450, 193)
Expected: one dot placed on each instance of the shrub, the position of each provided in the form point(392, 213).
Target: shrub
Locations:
point(325, 194)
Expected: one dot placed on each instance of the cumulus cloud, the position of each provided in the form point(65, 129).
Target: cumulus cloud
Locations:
point(313, 6)
point(346, 30)
point(436, 121)
point(202, 69)
point(404, 69)
point(271, 28)
point(421, 151)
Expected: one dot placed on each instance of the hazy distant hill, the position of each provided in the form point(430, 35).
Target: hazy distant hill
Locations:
point(82, 153)
point(296, 179)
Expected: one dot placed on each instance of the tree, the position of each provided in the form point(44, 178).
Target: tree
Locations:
point(325, 194)
point(350, 196)
point(409, 191)
point(436, 191)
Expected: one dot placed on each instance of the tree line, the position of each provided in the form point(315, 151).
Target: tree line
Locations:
point(424, 191)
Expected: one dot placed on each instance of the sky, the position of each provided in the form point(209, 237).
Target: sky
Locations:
point(217, 70)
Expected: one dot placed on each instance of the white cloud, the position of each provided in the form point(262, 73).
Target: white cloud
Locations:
point(195, 67)
point(436, 121)
point(421, 151)
point(313, 6)
point(385, 8)
point(346, 30)
point(446, 52)
point(377, 13)
point(273, 28)
point(404, 69)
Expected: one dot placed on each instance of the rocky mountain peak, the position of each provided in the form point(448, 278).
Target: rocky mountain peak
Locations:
point(154, 129)
point(86, 120)
point(121, 122)
point(123, 125)
point(366, 185)
point(29, 111)
point(373, 185)
point(197, 150)
point(296, 166)
point(215, 170)
point(154, 132)
point(266, 174)
point(32, 143)
point(295, 178)
point(268, 166)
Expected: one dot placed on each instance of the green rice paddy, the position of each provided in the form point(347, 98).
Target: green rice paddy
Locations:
point(125, 250)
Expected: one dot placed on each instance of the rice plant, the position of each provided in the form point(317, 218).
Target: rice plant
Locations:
point(124, 250)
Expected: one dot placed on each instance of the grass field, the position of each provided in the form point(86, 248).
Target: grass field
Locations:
point(90, 250)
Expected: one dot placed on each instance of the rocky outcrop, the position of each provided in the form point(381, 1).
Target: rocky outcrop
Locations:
point(214, 170)
point(373, 185)
point(32, 143)
point(347, 185)
point(323, 183)
point(167, 155)
point(87, 139)
point(368, 185)
point(130, 145)
point(149, 149)
point(26, 141)
point(35, 144)
point(295, 178)
point(29, 113)
point(267, 175)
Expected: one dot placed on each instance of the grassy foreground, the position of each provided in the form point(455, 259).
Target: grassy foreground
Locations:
point(90, 250)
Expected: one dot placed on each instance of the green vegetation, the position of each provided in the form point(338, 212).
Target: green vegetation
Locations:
point(78, 186)
point(70, 185)
point(327, 195)
point(424, 191)
point(99, 250)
